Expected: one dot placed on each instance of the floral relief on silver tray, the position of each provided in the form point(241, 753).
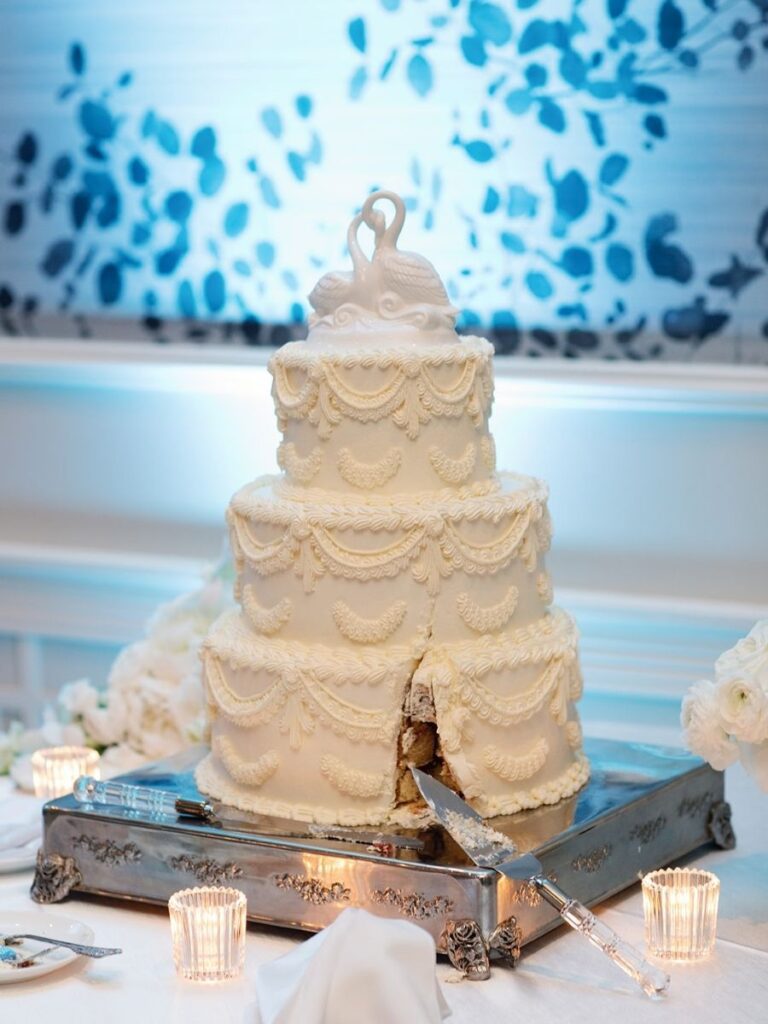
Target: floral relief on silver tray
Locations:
point(209, 872)
point(55, 877)
point(312, 890)
point(647, 831)
point(107, 851)
point(526, 894)
point(592, 861)
point(694, 806)
point(413, 904)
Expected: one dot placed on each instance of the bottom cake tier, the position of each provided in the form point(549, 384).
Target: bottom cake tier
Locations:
point(321, 734)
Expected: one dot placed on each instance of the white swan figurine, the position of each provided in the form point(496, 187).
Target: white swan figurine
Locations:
point(338, 287)
point(408, 275)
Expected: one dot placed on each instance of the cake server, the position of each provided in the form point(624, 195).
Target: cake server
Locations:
point(161, 802)
point(488, 848)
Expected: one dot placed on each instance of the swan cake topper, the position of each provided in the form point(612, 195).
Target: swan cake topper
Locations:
point(400, 292)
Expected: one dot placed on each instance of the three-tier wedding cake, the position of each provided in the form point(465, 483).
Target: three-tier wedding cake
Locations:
point(394, 605)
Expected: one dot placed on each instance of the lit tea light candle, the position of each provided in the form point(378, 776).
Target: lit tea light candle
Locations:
point(208, 932)
point(680, 909)
point(55, 769)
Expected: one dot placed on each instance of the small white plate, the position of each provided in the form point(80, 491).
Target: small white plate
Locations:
point(20, 858)
point(41, 924)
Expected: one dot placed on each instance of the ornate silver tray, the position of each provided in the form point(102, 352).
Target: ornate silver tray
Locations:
point(643, 807)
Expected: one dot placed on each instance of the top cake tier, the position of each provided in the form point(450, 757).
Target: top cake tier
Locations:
point(384, 397)
point(385, 420)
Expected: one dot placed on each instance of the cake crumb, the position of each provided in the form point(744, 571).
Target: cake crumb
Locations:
point(474, 837)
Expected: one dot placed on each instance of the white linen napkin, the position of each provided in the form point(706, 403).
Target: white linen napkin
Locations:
point(361, 970)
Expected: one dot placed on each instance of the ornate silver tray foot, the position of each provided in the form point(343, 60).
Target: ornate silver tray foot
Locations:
point(464, 944)
point(720, 826)
point(506, 940)
point(55, 877)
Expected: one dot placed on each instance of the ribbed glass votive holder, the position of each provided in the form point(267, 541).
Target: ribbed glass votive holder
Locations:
point(55, 769)
point(680, 909)
point(208, 932)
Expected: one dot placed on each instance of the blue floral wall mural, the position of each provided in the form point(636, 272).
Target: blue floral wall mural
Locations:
point(589, 175)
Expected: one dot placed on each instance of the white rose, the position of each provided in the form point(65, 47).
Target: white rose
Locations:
point(149, 725)
point(703, 727)
point(78, 697)
point(754, 756)
point(106, 725)
point(10, 745)
point(749, 657)
point(743, 707)
point(119, 760)
point(187, 708)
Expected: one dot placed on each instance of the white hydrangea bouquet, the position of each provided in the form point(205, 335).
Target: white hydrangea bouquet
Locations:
point(153, 703)
point(727, 720)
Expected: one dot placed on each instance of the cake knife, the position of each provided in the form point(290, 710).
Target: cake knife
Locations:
point(164, 803)
point(489, 849)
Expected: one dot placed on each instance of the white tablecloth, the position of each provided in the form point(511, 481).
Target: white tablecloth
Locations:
point(560, 979)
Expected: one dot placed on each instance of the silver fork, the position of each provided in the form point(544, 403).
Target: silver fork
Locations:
point(76, 947)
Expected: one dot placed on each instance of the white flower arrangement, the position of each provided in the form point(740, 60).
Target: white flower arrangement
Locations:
point(153, 703)
point(727, 720)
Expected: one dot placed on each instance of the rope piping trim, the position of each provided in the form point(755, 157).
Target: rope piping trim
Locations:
point(260, 501)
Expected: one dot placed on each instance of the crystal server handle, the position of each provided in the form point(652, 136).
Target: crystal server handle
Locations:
point(88, 790)
point(652, 980)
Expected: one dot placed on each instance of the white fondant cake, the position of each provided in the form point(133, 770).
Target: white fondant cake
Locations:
point(395, 608)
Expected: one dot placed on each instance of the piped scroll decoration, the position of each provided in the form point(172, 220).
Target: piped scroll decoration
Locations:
point(303, 469)
point(267, 621)
point(368, 631)
point(247, 773)
point(401, 288)
point(513, 769)
point(351, 781)
point(544, 587)
point(367, 475)
point(490, 618)
point(488, 453)
point(453, 471)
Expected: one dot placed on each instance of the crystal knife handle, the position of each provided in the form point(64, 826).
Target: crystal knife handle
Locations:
point(87, 790)
point(651, 979)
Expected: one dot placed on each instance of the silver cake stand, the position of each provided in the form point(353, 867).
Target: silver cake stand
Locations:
point(643, 807)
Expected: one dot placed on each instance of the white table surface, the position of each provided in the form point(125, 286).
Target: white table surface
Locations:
point(560, 978)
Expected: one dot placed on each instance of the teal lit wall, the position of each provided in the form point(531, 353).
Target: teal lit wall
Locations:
point(589, 177)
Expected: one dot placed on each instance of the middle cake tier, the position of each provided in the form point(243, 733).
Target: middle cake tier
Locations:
point(344, 573)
